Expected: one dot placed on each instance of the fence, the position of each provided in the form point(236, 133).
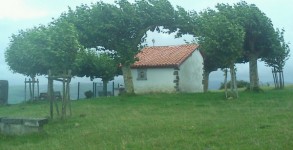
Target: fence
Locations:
point(97, 89)
point(18, 94)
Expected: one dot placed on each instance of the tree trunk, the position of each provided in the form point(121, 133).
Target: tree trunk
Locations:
point(273, 72)
point(128, 83)
point(281, 79)
point(277, 78)
point(68, 93)
point(225, 82)
point(69, 101)
point(253, 73)
point(30, 88)
point(50, 93)
point(105, 90)
point(235, 84)
point(206, 75)
point(234, 90)
point(63, 108)
point(33, 88)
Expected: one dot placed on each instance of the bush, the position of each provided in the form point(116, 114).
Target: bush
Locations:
point(240, 84)
point(89, 94)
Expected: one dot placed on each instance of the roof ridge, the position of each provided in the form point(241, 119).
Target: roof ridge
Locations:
point(172, 45)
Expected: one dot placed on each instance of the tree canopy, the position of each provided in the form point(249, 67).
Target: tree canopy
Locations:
point(278, 58)
point(34, 51)
point(259, 34)
point(24, 54)
point(280, 54)
point(64, 46)
point(93, 64)
point(226, 35)
point(220, 39)
point(121, 27)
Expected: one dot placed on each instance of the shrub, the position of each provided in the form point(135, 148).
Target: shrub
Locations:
point(240, 84)
point(89, 94)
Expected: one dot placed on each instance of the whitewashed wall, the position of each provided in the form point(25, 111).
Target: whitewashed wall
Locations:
point(158, 80)
point(191, 74)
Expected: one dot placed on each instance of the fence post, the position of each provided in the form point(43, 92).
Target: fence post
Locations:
point(38, 86)
point(25, 89)
point(113, 88)
point(78, 90)
point(96, 89)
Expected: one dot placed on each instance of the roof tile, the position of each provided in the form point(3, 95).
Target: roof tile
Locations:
point(163, 56)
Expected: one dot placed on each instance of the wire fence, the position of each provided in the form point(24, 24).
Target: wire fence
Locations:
point(18, 94)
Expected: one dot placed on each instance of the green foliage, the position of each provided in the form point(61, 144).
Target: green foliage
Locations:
point(259, 34)
point(280, 54)
point(95, 64)
point(240, 84)
point(173, 121)
point(34, 51)
point(221, 41)
point(259, 37)
point(27, 50)
point(64, 46)
point(120, 27)
point(259, 30)
point(219, 38)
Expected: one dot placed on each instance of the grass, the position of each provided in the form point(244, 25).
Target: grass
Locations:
point(259, 121)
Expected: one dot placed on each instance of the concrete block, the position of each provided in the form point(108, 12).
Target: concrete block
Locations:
point(20, 126)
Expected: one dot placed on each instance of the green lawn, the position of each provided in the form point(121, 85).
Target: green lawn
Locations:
point(259, 121)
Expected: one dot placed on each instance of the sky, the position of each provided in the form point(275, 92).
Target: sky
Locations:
point(22, 14)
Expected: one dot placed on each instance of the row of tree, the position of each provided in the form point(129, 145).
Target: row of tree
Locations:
point(235, 34)
point(65, 44)
point(227, 35)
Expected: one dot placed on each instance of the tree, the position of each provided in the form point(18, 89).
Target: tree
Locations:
point(187, 23)
point(222, 39)
point(91, 64)
point(24, 54)
point(64, 46)
point(121, 27)
point(259, 34)
point(278, 58)
point(37, 50)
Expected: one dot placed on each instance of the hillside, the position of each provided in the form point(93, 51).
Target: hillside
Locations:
point(163, 121)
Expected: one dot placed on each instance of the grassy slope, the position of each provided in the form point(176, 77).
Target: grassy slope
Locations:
point(164, 121)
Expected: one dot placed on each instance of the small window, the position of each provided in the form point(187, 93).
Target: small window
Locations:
point(141, 74)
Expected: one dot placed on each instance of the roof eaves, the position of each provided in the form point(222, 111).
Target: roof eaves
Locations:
point(180, 63)
point(155, 66)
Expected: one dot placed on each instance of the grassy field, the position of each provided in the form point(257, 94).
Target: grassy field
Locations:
point(256, 121)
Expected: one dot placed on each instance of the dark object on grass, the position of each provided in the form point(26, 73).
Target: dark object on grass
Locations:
point(57, 95)
point(88, 94)
point(3, 92)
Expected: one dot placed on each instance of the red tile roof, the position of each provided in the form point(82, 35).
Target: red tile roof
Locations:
point(163, 56)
